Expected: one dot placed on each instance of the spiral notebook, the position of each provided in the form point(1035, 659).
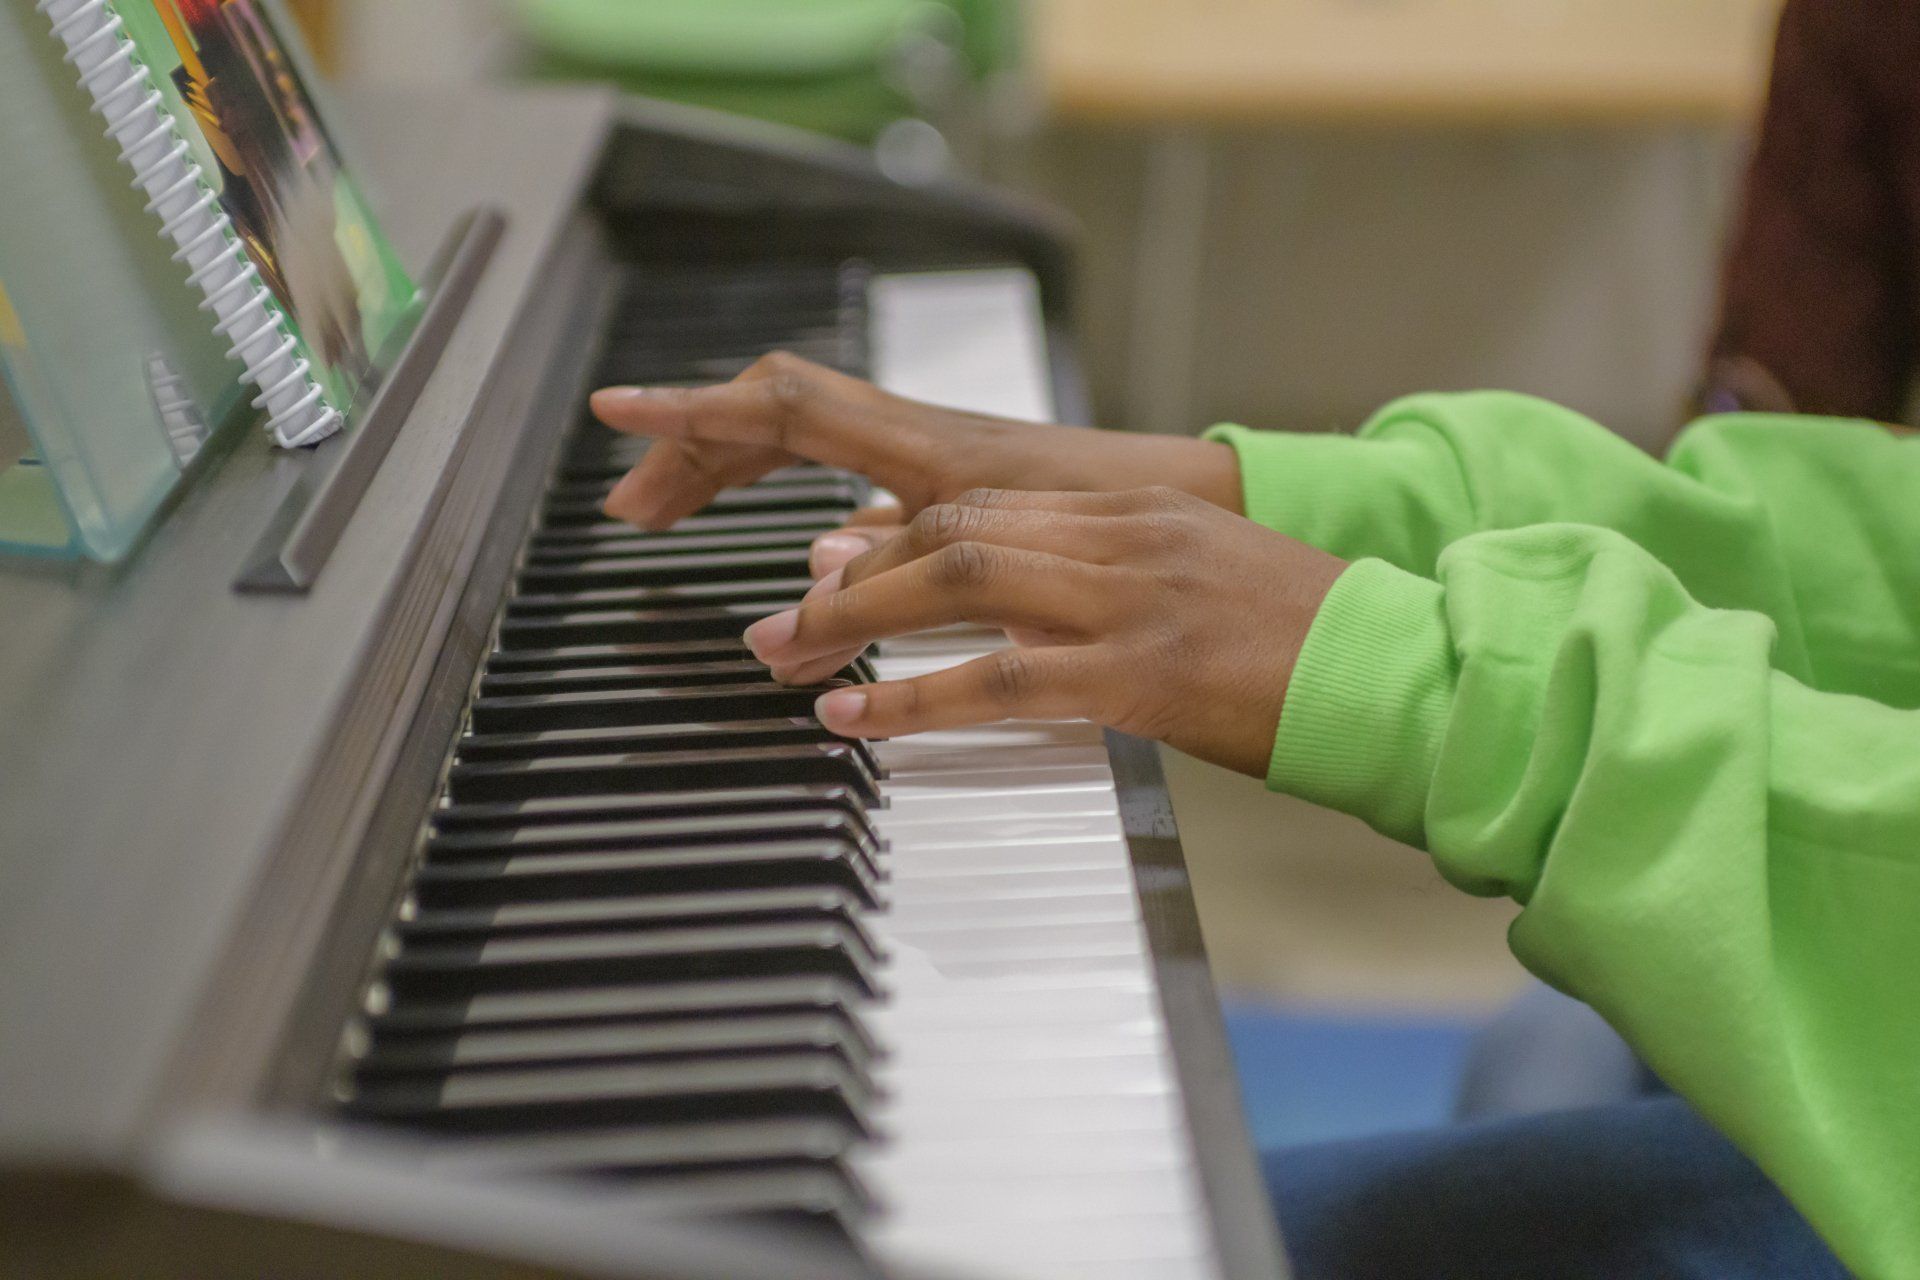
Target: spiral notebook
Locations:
point(208, 110)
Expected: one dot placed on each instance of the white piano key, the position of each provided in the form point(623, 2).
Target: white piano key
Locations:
point(1032, 1122)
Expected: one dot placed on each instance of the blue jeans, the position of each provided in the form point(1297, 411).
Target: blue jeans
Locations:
point(1631, 1190)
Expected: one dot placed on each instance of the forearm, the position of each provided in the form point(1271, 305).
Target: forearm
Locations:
point(1787, 517)
point(1723, 862)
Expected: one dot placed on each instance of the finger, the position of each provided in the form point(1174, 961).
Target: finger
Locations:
point(819, 669)
point(884, 509)
point(967, 582)
point(1079, 502)
point(678, 477)
point(800, 410)
point(1093, 539)
point(832, 552)
point(1014, 684)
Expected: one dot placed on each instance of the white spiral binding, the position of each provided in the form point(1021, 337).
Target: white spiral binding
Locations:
point(152, 145)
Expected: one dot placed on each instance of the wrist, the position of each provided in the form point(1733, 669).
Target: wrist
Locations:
point(1206, 469)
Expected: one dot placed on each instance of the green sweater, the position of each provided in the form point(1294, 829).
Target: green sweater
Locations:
point(1668, 708)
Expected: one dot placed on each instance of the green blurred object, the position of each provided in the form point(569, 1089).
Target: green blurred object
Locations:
point(843, 67)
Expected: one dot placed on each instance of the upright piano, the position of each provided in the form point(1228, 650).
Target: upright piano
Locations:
point(406, 871)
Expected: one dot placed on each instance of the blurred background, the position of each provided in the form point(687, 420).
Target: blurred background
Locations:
point(1292, 212)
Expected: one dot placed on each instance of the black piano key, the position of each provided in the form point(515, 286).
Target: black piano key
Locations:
point(665, 652)
point(732, 291)
point(653, 833)
point(815, 1084)
point(734, 997)
point(810, 1193)
point(683, 1146)
point(842, 494)
point(621, 676)
point(828, 762)
point(615, 533)
point(711, 331)
point(828, 494)
point(738, 906)
point(706, 869)
point(477, 748)
point(613, 677)
point(512, 815)
point(747, 700)
point(632, 1042)
point(572, 551)
point(777, 593)
point(624, 626)
point(827, 948)
point(712, 569)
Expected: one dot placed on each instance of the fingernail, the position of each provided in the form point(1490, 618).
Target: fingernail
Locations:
point(769, 635)
point(608, 399)
point(835, 551)
point(827, 585)
point(841, 709)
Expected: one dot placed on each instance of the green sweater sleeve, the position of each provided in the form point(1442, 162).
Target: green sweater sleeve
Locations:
point(1794, 518)
point(1721, 860)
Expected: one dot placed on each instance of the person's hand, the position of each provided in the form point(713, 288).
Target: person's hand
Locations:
point(785, 408)
point(1149, 611)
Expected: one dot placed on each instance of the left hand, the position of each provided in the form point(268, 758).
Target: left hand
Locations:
point(1150, 611)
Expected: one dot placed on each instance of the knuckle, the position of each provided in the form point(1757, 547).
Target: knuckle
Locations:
point(983, 497)
point(1163, 529)
point(835, 613)
point(779, 364)
point(790, 390)
point(908, 701)
point(941, 525)
point(965, 566)
point(1011, 677)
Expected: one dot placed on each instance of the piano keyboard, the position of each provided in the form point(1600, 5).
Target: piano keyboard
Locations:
point(668, 935)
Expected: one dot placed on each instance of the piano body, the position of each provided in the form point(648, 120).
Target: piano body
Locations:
point(459, 899)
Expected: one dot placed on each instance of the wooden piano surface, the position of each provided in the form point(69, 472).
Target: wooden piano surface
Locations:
point(162, 732)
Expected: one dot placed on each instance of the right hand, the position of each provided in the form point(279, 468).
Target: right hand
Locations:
point(785, 409)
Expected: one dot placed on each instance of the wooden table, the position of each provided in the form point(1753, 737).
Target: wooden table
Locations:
point(1403, 61)
point(1183, 69)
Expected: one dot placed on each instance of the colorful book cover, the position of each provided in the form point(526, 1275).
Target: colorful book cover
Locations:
point(224, 71)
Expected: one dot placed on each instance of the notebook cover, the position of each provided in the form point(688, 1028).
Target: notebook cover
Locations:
point(230, 79)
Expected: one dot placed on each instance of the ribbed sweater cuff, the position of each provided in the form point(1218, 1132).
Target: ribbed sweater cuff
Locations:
point(1310, 485)
point(1368, 703)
